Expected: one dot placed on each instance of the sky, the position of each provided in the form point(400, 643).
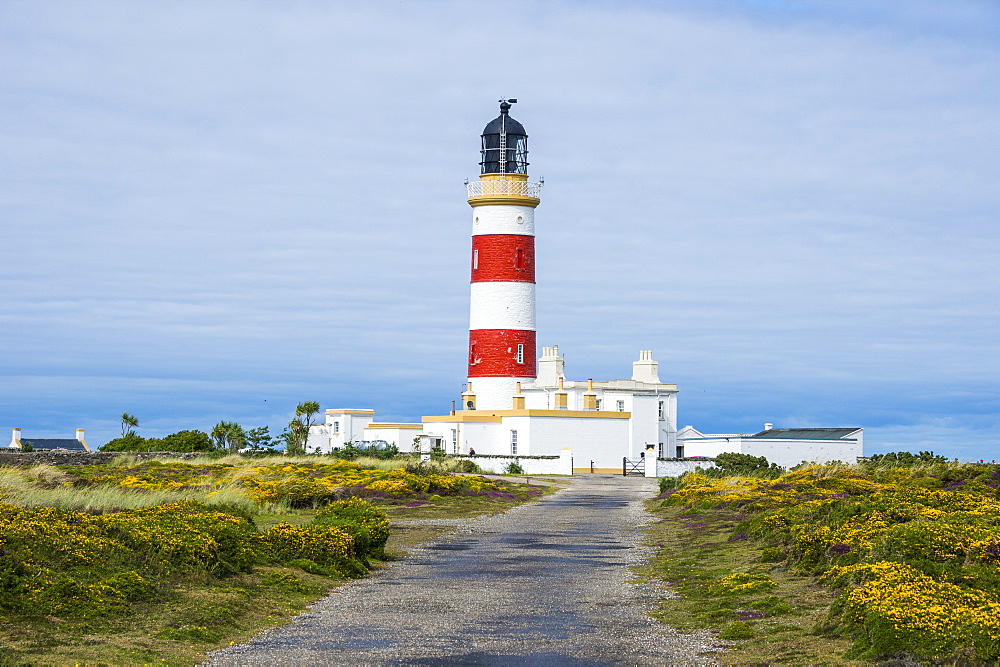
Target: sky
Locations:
point(216, 210)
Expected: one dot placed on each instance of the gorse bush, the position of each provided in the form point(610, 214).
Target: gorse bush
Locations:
point(367, 525)
point(912, 546)
point(292, 483)
point(58, 562)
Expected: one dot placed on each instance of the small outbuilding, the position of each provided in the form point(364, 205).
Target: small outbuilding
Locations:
point(77, 444)
point(785, 446)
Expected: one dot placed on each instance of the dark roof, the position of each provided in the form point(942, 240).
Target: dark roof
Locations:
point(513, 127)
point(806, 433)
point(54, 443)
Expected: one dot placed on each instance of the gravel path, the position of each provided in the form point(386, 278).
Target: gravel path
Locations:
point(543, 584)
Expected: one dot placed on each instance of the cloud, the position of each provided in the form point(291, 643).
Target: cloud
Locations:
point(793, 205)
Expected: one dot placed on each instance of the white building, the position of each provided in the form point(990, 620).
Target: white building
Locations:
point(601, 422)
point(785, 446)
point(514, 406)
point(359, 426)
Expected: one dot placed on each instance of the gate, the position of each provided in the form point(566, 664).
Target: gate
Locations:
point(636, 467)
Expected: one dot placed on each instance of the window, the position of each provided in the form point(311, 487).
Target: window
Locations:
point(659, 451)
point(475, 260)
point(454, 441)
point(680, 451)
point(472, 354)
point(520, 354)
point(597, 404)
point(661, 409)
point(336, 427)
point(519, 259)
point(621, 406)
point(513, 442)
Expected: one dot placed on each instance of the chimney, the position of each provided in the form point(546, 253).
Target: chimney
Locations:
point(550, 367)
point(646, 370)
point(768, 426)
point(79, 436)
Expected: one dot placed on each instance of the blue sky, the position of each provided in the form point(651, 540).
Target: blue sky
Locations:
point(216, 210)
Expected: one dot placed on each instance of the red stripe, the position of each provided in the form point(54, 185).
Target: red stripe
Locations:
point(493, 353)
point(503, 258)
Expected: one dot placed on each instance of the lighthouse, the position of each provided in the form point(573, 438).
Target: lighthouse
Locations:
point(518, 402)
point(502, 348)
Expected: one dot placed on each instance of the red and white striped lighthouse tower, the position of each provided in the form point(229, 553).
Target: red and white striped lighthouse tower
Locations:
point(502, 310)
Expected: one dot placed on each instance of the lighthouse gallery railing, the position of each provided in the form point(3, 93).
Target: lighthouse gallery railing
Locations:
point(502, 188)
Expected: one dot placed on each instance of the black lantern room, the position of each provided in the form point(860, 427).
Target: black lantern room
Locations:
point(505, 144)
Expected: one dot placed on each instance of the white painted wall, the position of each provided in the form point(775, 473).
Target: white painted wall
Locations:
point(605, 441)
point(401, 437)
point(493, 393)
point(502, 305)
point(503, 219)
point(789, 453)
point(676, 468)
point(786, 453)
point(548, 465)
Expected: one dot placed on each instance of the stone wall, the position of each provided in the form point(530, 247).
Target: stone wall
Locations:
point(66, 457)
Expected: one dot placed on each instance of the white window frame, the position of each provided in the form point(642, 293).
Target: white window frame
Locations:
point(475, 260)
point(513, 442)
point(336, 427)
point(520, 353)
point(621, 406)
point(661, 410)
point(597, 404)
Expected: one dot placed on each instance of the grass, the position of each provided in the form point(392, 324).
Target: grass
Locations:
point(179, 629)
point(45, 486)
point(202, 613)
point(694, 550)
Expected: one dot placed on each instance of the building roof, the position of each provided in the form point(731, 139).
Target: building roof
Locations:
point(54, 443)
point(805, 433)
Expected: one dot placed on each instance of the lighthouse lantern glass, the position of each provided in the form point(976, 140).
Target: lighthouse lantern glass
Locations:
point(505, 146)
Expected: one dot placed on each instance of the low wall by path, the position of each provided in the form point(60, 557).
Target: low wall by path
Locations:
point(532, 465)
point(66, 457)
point(677, 467)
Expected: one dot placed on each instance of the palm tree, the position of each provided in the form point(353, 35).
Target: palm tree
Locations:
point(300, 426)
point(129, 423)
point(229, 435)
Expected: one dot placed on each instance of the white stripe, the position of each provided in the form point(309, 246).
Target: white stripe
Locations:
point(495, 393)
point(498, 305)
point(503, 220)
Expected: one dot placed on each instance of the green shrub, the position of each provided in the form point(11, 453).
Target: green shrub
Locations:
point(367, 525)
point(736, 630)
point(184, 441)
point(732, 463)
point(772, 555)
point(513, 468)
point(130, 442)
point(669, 484)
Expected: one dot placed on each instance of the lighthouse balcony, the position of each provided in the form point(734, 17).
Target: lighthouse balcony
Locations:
point(504, 191)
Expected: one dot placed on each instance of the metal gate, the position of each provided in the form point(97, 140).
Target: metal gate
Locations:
point(633, 467)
